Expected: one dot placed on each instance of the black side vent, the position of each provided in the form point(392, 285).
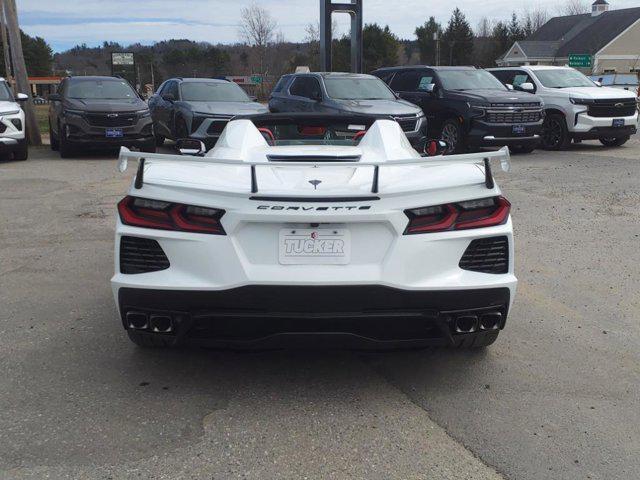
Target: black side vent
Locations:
point(487, 255)
point(141, 255)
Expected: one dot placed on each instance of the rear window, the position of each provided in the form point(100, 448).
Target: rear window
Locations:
point(314, 131)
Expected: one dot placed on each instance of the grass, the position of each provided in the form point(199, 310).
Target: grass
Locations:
point(42, 112)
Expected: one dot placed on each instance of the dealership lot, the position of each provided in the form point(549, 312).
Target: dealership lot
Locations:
point(555, 397)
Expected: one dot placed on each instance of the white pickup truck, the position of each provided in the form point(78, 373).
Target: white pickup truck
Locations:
point(576, 107)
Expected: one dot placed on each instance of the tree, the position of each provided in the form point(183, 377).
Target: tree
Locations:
point(515, 30)
point(380, 47)
point(534, 19)
point(458, 38)
point(37, 56)
point(426, 43)
point(501, 37)
point(574, 7)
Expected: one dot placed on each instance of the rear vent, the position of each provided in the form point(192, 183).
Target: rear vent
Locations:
point(141, 255)
point(487, 255)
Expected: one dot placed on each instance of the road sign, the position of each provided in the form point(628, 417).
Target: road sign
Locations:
point(580, 61)
point(122, 58)
point(256, 79)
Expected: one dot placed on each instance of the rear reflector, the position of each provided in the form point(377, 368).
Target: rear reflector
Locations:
point(156, 214)
point(485, 212)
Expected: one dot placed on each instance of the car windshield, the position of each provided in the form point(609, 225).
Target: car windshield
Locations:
point(469, 80)
point(5, 92)
point(213, 92)
point(563, 78)
point(358, 89)
point(101, 89)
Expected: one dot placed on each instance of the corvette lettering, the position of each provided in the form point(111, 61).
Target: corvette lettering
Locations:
point(313, 209)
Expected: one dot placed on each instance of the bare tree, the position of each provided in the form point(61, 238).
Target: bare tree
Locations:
point(257, 27)
point(484, 28)
point(535, 17)
point(574, 7)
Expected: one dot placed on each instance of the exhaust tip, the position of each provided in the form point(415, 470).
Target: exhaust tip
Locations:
point(161, 323)
point(491, 321)
point(137, 320)
point(466, 323)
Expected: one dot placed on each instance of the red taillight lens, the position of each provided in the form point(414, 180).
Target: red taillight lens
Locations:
point(145, 213)
point(485, 212)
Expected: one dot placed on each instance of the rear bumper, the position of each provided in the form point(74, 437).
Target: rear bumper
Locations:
point(354, 316)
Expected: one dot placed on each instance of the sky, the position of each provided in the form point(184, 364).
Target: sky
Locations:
point(66, 23)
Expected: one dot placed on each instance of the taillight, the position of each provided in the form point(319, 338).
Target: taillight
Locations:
point(142, 212)
point(484, 212)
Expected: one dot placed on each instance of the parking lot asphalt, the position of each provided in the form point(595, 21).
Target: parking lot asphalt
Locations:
point(555, 398)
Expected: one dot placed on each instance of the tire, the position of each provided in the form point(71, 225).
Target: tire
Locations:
point(613, 141)
point(149, 341)
point(452, 134)
point(555, 135)
point(476, 340)
point(518, 149)
point(21, 152)
point(53, 140)
point(181, 129)
point(159, 140)
point(64, 147)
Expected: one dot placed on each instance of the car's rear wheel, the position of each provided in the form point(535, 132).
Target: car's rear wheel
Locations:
point(613, 141)
point(454, 136)
point(475, 340)
point(555, 135)
point(64, 146)
point(53, 140)
point(149, 341)
point(22, 150)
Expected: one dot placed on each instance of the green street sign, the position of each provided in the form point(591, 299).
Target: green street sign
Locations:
point(256, 79)
point(580, 61)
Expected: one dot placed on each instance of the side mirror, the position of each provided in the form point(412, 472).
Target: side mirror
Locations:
point(169, 97)
point(509, 86)
point(432, 148)
point(55, 97)
point(22, 97)
point(191, 146)
point(255, 99)
point(431, 88)
point(527, 87)
point(599, 84)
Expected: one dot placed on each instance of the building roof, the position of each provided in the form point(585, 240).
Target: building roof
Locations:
point(600, 2)
point(578, 34)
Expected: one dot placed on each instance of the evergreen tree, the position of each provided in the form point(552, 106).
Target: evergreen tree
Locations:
point(458, 40)
point(426, 43)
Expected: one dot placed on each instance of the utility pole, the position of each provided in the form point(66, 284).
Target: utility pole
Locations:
point(5, 43)
point(20, 72)
point(436, 39)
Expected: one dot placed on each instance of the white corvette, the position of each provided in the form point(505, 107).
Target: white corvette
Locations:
point(315, 227)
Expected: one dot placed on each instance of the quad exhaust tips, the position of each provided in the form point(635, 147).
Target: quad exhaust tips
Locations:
point(155, 322)
point(470, 323)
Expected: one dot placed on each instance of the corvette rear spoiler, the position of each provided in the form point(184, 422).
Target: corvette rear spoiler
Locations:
point(482, 158)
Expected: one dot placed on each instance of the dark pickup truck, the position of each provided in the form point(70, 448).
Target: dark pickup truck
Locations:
point(469, 107)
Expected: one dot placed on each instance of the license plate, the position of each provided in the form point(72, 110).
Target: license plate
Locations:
point(315, 246)
point(113, 133)
point(618, 122)
point(518, 129)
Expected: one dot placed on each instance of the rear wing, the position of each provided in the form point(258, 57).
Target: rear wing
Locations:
point(482, 158)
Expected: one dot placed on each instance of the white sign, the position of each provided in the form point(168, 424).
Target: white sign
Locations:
point(122, 58)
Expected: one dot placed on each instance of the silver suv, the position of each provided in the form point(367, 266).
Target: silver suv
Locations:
point(576, 108)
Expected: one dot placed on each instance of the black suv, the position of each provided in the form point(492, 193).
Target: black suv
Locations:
point(469, 107)
point(348, 93)
point(98, 112)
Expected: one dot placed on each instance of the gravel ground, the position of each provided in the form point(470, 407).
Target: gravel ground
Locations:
point(555, 398)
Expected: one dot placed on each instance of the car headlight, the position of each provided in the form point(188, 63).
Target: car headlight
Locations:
point(144, 113)
point(581, 101)
point(12, 112)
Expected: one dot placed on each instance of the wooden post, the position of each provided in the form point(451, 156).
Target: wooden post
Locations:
point(20, 72)
point(5, 43)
